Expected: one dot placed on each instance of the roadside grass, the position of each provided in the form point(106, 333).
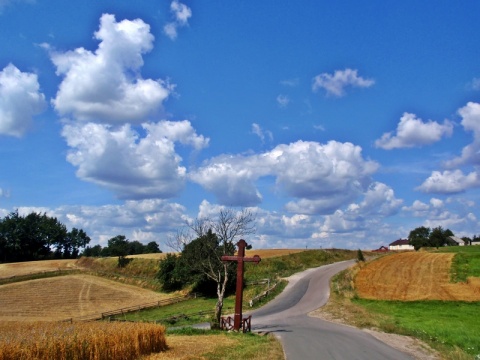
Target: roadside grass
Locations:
point(446, 323)
point(188, 312)
point(450, 327)
point(188, 343)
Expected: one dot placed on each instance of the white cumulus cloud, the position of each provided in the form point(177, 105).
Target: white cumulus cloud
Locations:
point(106, 85)
point(181, 13)
point(319, 173)
point(413, 132)
point(335, 84)
point(449, 182)
point(20, 101)
point(130, 165)
point(470, 114)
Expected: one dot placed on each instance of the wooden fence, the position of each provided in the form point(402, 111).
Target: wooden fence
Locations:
point(110, 314)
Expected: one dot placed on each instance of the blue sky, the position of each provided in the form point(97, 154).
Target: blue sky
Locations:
point(340, 124)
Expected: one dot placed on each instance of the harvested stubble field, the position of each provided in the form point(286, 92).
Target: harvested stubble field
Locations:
point(414, 276)
point(69, 296)
point(32, 267)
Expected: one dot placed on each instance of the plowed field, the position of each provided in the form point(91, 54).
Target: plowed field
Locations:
point(69, 297)
point(414, 276)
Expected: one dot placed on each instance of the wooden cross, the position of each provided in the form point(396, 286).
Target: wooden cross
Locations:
point(240, 259)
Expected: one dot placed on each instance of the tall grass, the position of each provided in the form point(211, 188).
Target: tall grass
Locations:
point(80, 341)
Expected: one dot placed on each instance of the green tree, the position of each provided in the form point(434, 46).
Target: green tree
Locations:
point(94, 251)
point(202, 257)
point(136, 247)
point(119, 246)
point(216, 237)
point(360, 256)
point(419, 237)
point(170, 273)
point(34, 236)
point(439, 237)
point(152, 248)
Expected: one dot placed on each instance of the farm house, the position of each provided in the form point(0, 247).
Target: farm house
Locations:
point(400, 244)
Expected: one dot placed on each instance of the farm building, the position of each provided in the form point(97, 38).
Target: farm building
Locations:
point(400, 244)
point(455, 241)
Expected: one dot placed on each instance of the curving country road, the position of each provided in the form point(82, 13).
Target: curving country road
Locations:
point(305, 337)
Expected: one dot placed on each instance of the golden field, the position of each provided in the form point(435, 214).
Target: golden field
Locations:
point(414, 276)
point(85, 341)
point(69, 296)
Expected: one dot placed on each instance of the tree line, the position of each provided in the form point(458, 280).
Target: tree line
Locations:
point(40, 237)
point(426, 237)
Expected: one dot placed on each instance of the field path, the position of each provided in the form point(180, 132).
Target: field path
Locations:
point(413, 276)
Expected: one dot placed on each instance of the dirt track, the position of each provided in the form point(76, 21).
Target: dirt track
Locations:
point(414, 276)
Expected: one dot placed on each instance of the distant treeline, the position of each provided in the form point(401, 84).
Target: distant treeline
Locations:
point(120, 246)
point(41, 237)
point(38, 237)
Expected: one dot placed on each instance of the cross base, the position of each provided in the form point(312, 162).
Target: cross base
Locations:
point(227, 323)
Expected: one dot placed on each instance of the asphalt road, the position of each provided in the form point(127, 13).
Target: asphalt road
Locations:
point(304, 337)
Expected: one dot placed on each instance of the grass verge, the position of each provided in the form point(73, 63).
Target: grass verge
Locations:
point(449, 327)
point(466, 262)
point(215, 345)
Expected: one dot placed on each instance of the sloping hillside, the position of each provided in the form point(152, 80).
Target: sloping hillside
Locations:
point(69, 296)
point(414, 276)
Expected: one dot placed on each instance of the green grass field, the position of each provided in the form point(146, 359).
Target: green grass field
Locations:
point(447, 323)
point(465, 263)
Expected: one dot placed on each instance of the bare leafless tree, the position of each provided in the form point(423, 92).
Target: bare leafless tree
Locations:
point(178, 240)
point(230, 225)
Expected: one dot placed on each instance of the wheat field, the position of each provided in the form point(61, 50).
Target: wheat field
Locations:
point(82, 341)
point(414, 276)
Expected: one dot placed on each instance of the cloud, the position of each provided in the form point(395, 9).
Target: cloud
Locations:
point(145, 220)
point(4, 193)
point(257, 130)
point(181, 13)
point(129, 165)
point(106, 85)
point(436, 214)
point(283, 101)
point(470, 114)
point(303, 170)
point(449, 182)
point(413, 132)
point(290, 82)
point(20, 101)
point(335, 84)
point(5, 3)
point(475, 84)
